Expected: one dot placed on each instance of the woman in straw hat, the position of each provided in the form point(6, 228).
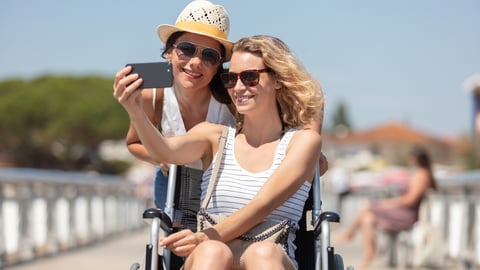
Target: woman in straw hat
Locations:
point(196, 46)
point(268, 162)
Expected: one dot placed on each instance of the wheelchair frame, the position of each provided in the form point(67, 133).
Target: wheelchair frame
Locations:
point(325, 257)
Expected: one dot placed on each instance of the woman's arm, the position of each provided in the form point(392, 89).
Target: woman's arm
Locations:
point(297, 167)
point(184, 149)
point(134, 144)
point(317, 126)
point(418, 186)
point(302, 152)
point(125, 90)
point(196, 144)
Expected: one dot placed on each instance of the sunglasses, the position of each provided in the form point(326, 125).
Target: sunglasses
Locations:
point(209, 56)
point(249, 77)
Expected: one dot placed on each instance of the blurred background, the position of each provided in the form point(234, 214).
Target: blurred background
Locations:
point(395, 74)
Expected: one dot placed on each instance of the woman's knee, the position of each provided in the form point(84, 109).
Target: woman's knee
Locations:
point(368, 219)
point(366, 208)
point(214, 249)
point(263, 250)
point(266, 255)
point(210, 253)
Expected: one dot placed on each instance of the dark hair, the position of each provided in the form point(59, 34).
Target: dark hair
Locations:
point(218, 90)
point(422, 160)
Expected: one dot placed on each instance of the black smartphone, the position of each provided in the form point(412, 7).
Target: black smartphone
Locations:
point(154, 74)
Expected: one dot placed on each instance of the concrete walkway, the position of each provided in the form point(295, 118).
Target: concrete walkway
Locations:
point(120, 253)
point(113, 254)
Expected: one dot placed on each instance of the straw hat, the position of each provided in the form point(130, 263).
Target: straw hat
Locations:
point(204, 18)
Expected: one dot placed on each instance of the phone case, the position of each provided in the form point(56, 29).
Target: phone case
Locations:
point(154, 75)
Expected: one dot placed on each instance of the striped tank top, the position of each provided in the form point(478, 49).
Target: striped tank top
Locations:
point(235, 186)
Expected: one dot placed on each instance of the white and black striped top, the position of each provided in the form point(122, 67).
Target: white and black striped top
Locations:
point(235, 186)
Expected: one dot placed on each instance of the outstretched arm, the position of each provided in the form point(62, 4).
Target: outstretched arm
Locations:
point(297, 167)
point(192, 146)
point(134, 145)
point(123, 78)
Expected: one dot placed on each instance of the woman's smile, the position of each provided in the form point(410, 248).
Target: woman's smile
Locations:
point(242, 99)
point(191, 74)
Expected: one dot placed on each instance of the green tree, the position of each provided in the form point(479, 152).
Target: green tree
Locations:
point(58, 121)
point(340, 120)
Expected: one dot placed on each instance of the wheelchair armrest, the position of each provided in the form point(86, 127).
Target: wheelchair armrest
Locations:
point(165, 220)
point(328, 216)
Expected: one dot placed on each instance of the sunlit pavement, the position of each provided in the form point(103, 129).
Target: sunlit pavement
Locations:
point(120, 253)
point(113, 254)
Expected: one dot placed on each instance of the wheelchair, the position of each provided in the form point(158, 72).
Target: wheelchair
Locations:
point(312, 240)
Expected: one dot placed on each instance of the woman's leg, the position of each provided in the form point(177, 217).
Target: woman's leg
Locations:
point(357, 223)
point(210, 255)
point(160, 188)
point(369, 241)
point(267, 255)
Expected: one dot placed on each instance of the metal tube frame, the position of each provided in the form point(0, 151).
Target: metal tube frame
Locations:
point(169, 207)
point(154, 243)
point(317, 210)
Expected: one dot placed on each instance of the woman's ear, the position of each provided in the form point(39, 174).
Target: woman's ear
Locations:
point(168, 56)
point(278, 85)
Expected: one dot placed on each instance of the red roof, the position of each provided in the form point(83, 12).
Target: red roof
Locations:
point(390, 132)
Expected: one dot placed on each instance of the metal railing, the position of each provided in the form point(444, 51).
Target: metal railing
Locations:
point(453, 211)
point(46, 212)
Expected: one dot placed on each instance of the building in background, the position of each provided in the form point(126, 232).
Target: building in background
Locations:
point(391, 141)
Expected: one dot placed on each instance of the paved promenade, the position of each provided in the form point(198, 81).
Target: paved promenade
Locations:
point(115, 254)
point(120, 253)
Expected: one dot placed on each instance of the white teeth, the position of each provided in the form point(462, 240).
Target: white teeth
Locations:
point(243, 98)
point(192, 73)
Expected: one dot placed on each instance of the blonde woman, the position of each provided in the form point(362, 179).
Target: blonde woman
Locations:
point(269, 151)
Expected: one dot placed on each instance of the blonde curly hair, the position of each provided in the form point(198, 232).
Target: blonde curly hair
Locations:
point(300, 98)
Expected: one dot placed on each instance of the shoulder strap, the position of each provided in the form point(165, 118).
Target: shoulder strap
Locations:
point(157, 95)
point(213, 178)
point(154, 97)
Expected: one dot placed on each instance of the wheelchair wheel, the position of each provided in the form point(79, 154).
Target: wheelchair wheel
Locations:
point(135, 266)
point(338, 262)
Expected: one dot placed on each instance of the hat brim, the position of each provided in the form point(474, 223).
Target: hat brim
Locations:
point(164, 31)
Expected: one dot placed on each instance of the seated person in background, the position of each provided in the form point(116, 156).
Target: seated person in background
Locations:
point(269, 151)
point(393, 214)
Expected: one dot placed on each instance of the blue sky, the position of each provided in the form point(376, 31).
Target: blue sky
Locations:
point(402, 61)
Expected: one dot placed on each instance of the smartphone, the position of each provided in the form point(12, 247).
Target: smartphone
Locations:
point(154, 74)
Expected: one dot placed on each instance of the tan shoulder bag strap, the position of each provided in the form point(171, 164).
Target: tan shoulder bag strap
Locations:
point(213, 178)
point(157, 95)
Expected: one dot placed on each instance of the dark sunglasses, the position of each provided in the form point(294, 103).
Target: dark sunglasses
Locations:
point(209, 56)
point(249, 77)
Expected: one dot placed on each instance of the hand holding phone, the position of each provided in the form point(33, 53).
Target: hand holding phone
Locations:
point(154, 74)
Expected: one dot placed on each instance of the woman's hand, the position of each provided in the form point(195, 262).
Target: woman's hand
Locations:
point(323, 163)
point(164, 168)
point(183, 243)
point(125, 88)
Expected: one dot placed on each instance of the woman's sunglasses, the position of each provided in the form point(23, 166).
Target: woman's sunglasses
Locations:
point(249, 77)
point(209, 56)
